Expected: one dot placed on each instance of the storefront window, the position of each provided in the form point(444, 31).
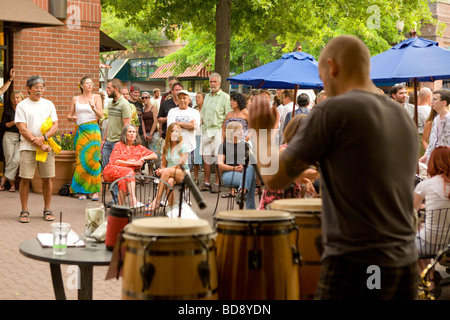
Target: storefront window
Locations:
point(142, 69)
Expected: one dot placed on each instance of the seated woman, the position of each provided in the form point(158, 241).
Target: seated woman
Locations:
point(238, 113)
point(231, 159)
point(127, 156)
point(431, 236)
point(175, 154)
point(295, 190)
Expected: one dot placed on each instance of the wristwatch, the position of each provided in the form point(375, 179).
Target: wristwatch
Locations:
point(45, 137)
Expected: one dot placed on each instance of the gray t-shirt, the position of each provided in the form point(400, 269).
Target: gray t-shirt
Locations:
point(366, 148)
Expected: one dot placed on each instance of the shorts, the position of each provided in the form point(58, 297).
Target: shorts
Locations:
point(209, 146)
point(28, 165)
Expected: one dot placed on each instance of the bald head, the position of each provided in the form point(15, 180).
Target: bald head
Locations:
point(425, 95)
point(344, 61)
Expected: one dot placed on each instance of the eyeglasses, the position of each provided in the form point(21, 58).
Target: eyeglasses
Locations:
point(145, 97)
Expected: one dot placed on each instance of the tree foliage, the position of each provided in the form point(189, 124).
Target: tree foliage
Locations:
point(263, 29)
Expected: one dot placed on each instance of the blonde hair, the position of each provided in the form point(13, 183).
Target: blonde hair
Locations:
point(16, 93)
point(168, 140)
point(231, 129)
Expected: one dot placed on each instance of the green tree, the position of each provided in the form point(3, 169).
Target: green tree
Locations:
point(130, 36)
point(310, 23)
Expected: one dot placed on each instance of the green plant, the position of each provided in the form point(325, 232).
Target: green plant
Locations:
point(64, 140)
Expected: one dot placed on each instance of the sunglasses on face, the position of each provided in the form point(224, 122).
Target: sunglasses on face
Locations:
point(145, 97)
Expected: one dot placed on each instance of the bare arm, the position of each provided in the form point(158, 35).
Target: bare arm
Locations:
point(187, 125)
point(126, 121)
point(277, 171)
point(97, 106)
point(71, 117)
point(8, 82)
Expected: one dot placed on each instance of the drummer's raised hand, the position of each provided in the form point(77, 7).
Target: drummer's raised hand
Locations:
point(261, 115)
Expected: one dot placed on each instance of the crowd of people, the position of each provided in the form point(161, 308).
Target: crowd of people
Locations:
point(355, 147)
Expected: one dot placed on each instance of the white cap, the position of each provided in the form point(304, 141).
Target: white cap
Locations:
point(184, 92)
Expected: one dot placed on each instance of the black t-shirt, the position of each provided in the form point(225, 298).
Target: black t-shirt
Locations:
point(8, 116)
point(139, 108)
point(366, 146)
point(163, 112)
point(235, 153)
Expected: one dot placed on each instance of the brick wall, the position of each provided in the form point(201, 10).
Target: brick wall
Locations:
point(60, 55)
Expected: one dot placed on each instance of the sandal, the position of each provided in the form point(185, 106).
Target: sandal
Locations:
point(227, 195)
point(2, 187)
point(83, 197)
point(24, 216)
point(12, 189)
point(48, 215)
point(94, 197)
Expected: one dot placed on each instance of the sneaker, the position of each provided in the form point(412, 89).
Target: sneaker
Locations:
point(215, 188)
point(205, 187)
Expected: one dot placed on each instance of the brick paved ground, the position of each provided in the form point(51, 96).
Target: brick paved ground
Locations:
point(22, 278)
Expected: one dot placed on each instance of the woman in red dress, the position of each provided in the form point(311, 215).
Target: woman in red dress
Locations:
point(127, 156)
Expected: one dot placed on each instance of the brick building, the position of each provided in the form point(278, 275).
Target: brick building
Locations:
point(61, 55)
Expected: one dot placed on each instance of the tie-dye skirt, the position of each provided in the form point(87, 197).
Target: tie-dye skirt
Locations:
point(87, 175)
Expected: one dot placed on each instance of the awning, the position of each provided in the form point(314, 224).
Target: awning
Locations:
point(109, 44)
point(115, 67)
point(164, 71)
point(26, 14)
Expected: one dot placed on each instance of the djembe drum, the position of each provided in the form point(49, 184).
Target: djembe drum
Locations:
point(170, 259)
point(307, 213)
point(256, 255)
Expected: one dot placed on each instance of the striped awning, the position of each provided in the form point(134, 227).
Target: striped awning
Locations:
point(165, 71)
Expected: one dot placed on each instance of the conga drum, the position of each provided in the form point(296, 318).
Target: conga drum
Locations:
point(170, 259)
point(257, 258)
point(307, 213)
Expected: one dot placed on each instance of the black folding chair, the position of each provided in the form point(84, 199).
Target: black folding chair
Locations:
point(146, 188)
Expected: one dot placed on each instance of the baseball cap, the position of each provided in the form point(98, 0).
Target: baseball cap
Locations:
point(134, 88)
point(184, 92)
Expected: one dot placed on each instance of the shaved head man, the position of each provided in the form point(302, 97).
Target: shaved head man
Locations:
point(366, 149)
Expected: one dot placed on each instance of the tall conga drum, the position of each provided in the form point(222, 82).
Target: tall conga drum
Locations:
point(307, 213)
point(169, 259)
point(256, 255)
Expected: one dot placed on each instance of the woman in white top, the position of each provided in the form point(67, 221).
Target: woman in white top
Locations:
point(85, 110)
point(434, 234)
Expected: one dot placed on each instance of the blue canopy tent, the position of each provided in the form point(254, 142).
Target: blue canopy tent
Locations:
point(293, 71)
point(412, 60)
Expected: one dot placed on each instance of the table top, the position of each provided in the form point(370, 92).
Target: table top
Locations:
point(92, 254)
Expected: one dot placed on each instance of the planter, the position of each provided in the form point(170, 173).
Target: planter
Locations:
point(64, 167)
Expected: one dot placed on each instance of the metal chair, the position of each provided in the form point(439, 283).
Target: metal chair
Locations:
point(146, 188)
point(436, 240)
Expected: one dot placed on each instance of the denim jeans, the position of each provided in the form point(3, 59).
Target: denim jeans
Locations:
point(106, 153)
point(234, 179)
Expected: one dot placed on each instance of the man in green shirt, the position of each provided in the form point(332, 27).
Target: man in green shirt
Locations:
point(119, 115)
point(215, 107)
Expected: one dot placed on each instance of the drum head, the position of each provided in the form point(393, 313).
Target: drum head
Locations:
point(170, 227)
point(297, 205)
point(254, 215)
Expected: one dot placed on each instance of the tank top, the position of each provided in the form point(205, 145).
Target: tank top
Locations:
point(148, 119)
point(84, 113)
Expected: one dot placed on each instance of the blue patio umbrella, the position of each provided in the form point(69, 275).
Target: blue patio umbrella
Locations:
point(293, 71)
point(412, 60)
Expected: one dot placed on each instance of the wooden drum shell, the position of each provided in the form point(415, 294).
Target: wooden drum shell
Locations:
point(242, 233)
point(175, 260)
point(307, 214)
